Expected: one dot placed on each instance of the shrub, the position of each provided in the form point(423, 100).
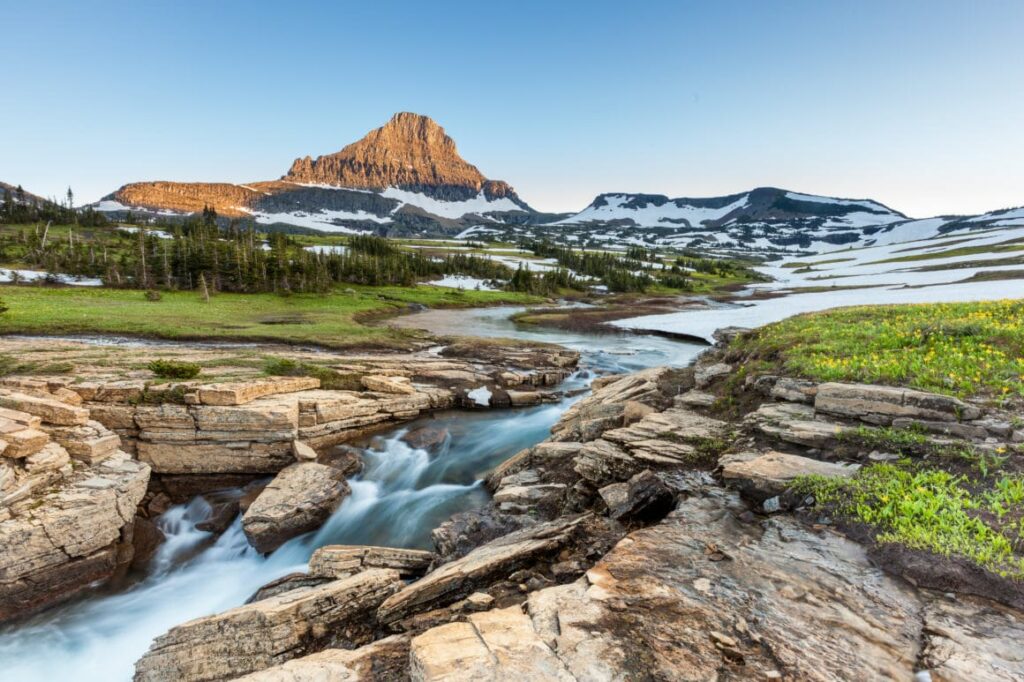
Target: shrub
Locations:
point(153, 295)
point(172, 369)
point(329, 378)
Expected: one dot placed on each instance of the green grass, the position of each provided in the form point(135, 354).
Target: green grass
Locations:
point(931, 510)
point(334, 319)
point(960, 349)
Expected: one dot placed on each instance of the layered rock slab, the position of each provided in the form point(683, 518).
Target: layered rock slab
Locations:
point(59, 543)
point(267, 633)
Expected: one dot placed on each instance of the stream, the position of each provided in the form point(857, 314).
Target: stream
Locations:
point(401, 495)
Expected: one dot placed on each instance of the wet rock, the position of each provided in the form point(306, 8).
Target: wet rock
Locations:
point(222, 514)
point(459, 578)
point(643, 498)
point(525, 398)
point(427, 437)
point(340, 561)
point(386, 660)
point(347, 459)
point(270, 632)
point(298, 500)
point(466, 531)
point(146, 540)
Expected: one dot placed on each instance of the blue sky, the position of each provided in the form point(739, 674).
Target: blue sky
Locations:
point(916, 104)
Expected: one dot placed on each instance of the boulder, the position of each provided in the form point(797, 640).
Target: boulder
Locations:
point(269, 632)
point(23, 442)
point(643, 498)
point(426, 437)
point(302, 452)
point(340, 561)
point(298, 500)
point(347, 459)
point(483, 565)
point(543, 499)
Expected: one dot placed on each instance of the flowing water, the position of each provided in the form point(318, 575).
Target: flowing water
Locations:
point(401, 495)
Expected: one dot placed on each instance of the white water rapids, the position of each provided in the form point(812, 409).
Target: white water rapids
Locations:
point(401, 495)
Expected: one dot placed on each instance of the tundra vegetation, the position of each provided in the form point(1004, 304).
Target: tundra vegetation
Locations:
point(954, 497)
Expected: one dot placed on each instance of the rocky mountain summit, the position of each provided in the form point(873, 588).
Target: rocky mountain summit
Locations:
point(405, 177)
point(410, 152)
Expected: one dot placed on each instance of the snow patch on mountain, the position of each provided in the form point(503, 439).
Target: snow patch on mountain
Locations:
point(672, 212)
point(478, 205)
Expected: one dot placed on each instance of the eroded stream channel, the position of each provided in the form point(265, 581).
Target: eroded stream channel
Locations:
point(401, 495)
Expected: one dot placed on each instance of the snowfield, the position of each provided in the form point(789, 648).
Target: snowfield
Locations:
point(462, 282)
point(872, 281)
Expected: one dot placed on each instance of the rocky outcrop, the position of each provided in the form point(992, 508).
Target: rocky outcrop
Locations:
point(386, 660)
point(73, 534)
point(483, 565)
point(270, 632)
point(763, 477)
point(699, 596)
point(882, 404)
point(298, 500)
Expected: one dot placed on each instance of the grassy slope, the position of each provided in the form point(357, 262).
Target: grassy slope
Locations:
point(956, 348)
point(329, 320)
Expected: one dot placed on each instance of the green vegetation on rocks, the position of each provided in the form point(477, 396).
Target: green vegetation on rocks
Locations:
point(932, 510)
point(962, 349)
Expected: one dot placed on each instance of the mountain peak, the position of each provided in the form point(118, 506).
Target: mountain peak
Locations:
point(411, 152)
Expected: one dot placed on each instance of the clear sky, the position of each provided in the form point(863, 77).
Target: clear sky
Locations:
point(919, 105)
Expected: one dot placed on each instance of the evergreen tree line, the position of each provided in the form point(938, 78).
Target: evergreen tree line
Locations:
point(19, 207)
point(236, 259)
point(618, 274)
